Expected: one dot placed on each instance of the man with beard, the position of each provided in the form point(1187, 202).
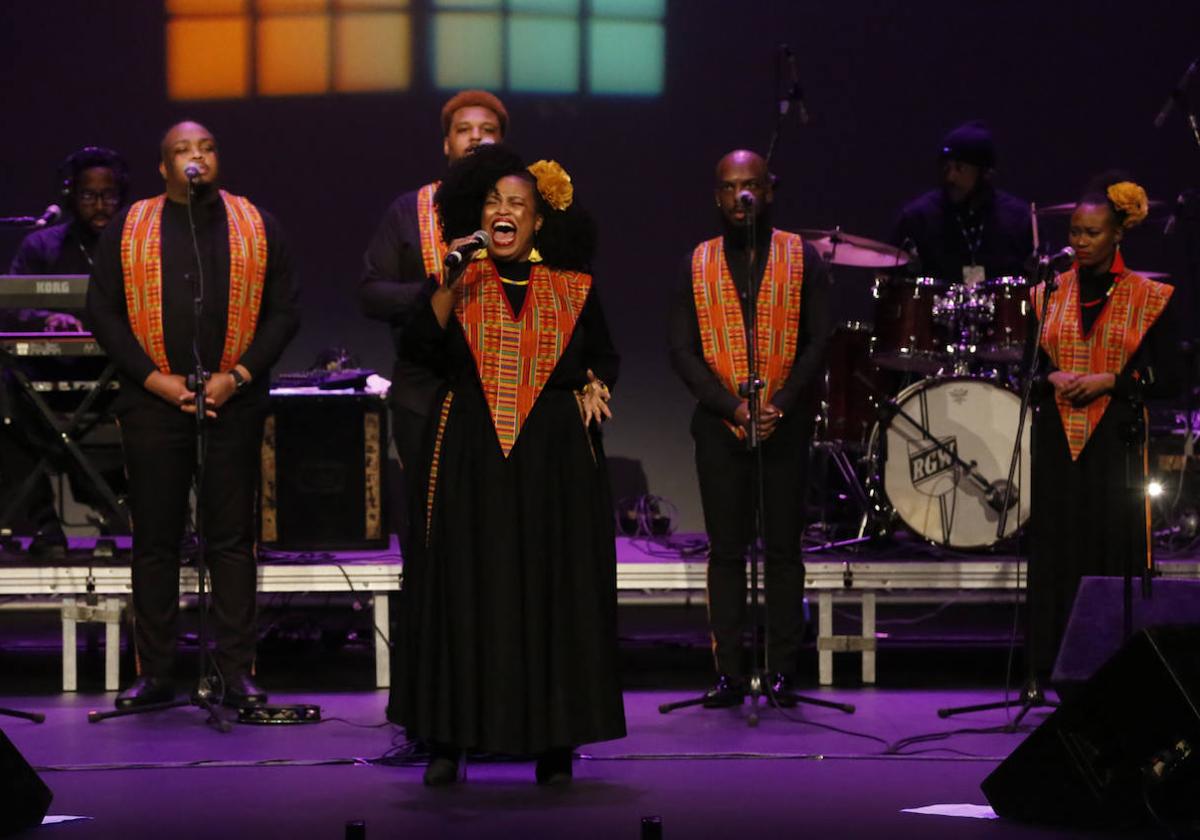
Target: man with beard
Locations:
point(967, 230)
point(406, 250)
point(708, 343)
point(95, 183)
point(140, 307)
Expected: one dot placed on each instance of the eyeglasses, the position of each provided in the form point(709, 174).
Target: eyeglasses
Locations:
point(108, 197)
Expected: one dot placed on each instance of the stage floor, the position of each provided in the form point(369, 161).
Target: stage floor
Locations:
point(705, 773)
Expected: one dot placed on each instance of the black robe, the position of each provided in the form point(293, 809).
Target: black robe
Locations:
point(510, 608)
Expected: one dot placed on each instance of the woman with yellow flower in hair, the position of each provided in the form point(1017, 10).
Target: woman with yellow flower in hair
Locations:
point(1109, 345)
point(510, 599)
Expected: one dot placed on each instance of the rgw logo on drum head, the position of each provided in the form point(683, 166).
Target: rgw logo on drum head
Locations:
point(931, 468)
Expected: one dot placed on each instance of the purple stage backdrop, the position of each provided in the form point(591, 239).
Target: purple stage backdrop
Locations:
point(1068, 89)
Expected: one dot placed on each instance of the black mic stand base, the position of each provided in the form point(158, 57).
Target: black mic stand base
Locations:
point(36, 717)
point(1032, 697)
point(201, 698)
point(760, 686)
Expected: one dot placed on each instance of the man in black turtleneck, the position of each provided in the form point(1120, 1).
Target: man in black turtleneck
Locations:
point(140, 307)
point(967, 231)
point(708, 352)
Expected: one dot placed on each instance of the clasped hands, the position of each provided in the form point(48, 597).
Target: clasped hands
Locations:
point(173, 389)
point(1081, 388)
point(768, 418)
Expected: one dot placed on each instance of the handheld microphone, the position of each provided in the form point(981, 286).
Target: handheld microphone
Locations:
point(192, 171)
point(479, 239)
point(1176, 94)
point(49, 216)
point(1059, 259)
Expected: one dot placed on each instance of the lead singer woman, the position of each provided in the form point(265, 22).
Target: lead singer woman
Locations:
point(510, 601)
point(1109, 345)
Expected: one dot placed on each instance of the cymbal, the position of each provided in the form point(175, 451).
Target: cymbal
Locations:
point(1069, 207)
point(845, 249)
point(1151, 275)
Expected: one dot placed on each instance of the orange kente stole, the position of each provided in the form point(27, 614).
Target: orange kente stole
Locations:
point(515, 353)
point(1133, 306)
point(141, 262)
point(719, 314)
point(433, 249)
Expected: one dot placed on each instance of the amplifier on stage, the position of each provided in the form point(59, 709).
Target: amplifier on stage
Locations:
point(322, 471)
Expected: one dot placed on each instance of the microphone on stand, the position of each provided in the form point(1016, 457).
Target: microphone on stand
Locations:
point(1176, 94)
point(192, 171)
point(795, 92)
point(1059, 259)
point(49, 216)
point(479, 239)
point(746, 199)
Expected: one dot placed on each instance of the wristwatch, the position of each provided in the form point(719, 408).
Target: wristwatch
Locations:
point(239, 381)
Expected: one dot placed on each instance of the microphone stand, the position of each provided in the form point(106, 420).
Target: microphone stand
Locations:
point(1032, 695)
point(205, 696)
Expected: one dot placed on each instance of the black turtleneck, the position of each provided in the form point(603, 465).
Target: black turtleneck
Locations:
point(687, 349)
point(1094, 288)
point(518, 273)
point(108, 318)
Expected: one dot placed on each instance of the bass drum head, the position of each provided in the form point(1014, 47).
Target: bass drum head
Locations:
point(930, 494)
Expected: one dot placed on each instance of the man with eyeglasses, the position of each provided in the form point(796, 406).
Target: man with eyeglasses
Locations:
point(94, 184)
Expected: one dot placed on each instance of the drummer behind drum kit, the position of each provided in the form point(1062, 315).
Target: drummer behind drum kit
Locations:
point(935, 454)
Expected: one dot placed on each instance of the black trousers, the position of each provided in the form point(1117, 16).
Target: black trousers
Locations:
point(160, 458)
point(726, 470)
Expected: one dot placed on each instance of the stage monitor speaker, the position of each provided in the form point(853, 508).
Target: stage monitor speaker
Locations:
point(24, 798)
point(1096, 623)
point(1123, 753)
point(322, 472)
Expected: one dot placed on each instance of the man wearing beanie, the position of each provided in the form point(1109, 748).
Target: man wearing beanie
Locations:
point(967, 230)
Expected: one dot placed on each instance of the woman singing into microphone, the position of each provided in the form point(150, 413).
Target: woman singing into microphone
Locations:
point(1108, 344)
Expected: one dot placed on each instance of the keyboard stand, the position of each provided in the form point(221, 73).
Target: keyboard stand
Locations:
point(65, 433)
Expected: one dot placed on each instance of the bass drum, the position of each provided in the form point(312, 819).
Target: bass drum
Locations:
point(976, 419)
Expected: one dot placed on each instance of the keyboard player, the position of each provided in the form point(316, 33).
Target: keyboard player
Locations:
point(94, 186)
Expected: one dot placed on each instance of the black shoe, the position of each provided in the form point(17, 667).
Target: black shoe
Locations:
point(554, 767)
point(49, 545)
point(783, 691)
point(726, 691)
point(447, 765)
point(144, 691)
point(241, 691)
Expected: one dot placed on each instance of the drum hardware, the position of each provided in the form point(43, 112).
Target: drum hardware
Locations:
point(1068, 207)
point(838, 248)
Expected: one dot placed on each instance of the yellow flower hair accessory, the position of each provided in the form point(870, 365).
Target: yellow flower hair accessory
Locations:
point(1131, 200)
point(553, 183)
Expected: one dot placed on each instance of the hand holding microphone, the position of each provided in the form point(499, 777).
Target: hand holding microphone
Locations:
point(465, 247)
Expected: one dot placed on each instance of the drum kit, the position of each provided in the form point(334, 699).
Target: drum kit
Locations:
point(919, 411)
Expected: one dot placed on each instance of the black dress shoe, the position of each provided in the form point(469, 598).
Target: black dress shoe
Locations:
point(726, 691)
point(554, 767)
point(783, 691)
point(241, 691)
point(49, 545)
point(447, 765)
point(144, 691)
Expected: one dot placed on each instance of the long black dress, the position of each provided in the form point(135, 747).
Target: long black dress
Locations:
point(510, 602)
point(1089, 514)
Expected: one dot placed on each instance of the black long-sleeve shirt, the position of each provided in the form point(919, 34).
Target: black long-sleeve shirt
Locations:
point(995, 232)
point(392, 289)
point(108, 317)
point(687, 349)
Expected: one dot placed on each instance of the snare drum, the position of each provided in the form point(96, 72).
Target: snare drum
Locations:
point(1005, 334)
point(905, 334)
point(977, 420)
